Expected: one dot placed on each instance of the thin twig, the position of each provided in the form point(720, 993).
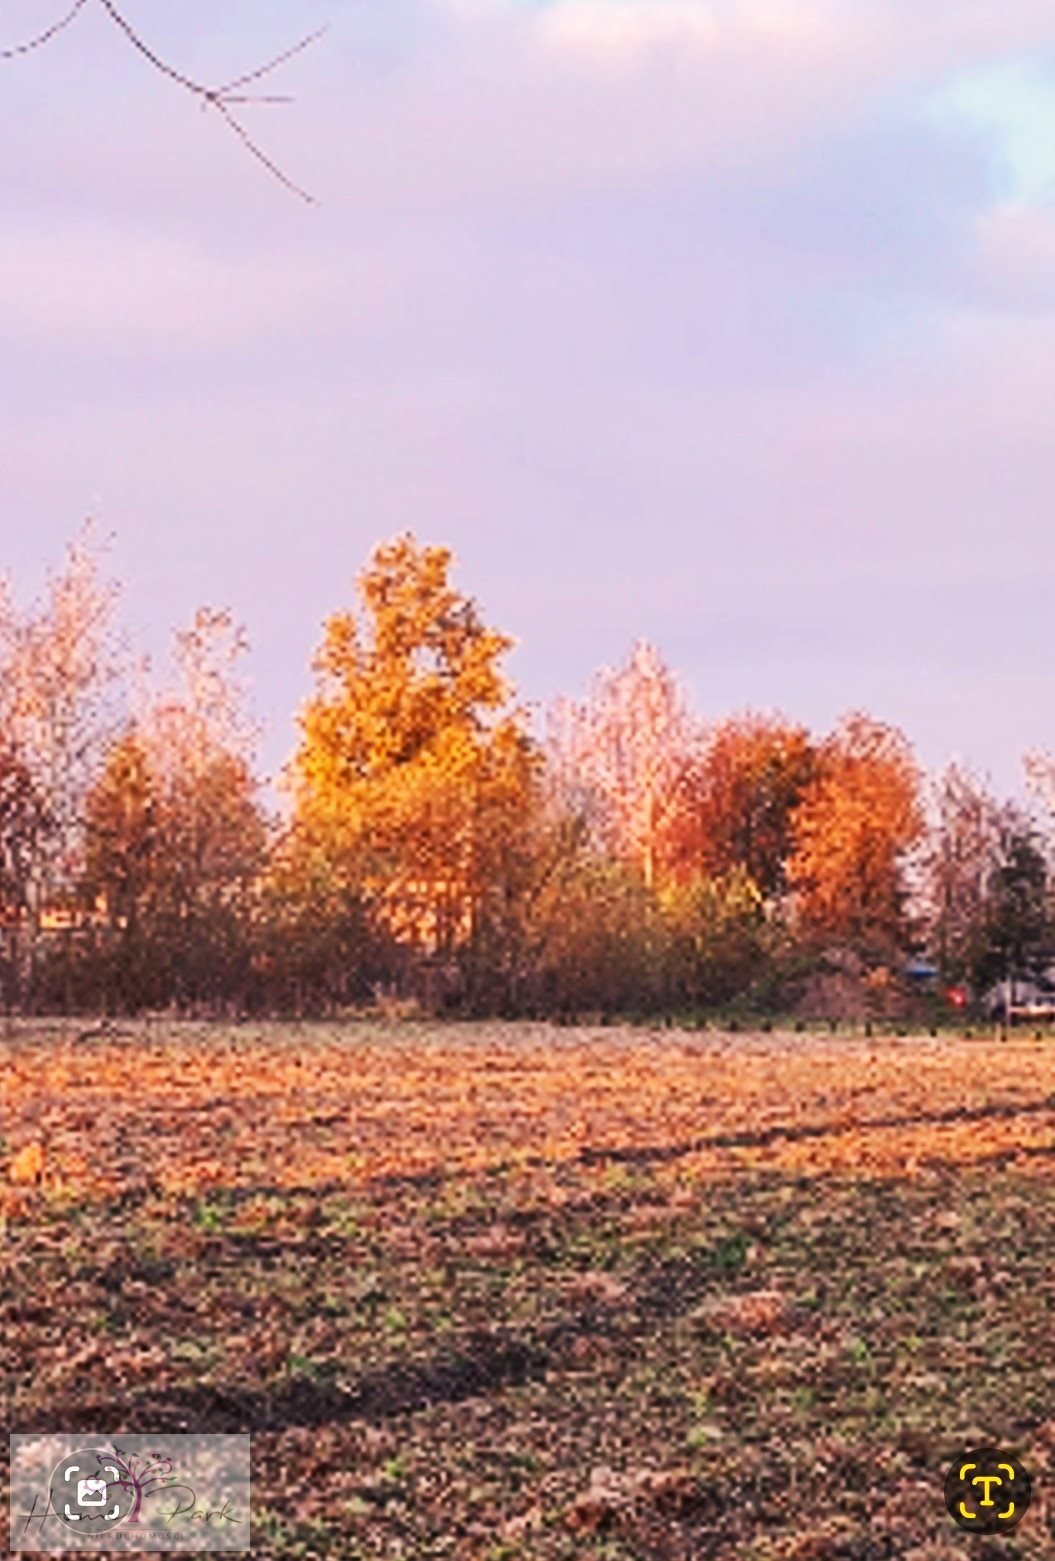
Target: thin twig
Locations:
point(280, 59)
point(261, 156)
point(46, 36)
point(257, 97)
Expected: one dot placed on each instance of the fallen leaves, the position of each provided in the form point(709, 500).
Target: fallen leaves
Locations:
point(758, 1312)
point(211, 1107)
point(611, 1497)
point(597, 1287)
point(27, 1166)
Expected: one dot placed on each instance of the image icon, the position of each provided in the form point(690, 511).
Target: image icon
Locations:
point(90, 1492)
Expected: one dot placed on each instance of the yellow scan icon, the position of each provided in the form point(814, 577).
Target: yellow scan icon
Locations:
point(977, 1490)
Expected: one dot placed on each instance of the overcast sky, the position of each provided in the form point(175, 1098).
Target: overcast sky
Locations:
point(729, 324)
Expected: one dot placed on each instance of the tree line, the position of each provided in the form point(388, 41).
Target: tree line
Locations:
point(434, 845)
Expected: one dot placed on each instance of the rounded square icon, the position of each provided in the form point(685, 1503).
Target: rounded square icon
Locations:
point(91, 1493)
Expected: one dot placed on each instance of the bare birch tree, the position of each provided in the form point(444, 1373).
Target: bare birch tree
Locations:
point(60, 703)
point(620, 755)
point(961, 852)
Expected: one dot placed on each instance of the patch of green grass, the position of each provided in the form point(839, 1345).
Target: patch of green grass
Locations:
point(394, 1321)
point(730, 1254)
point(208, 1217)
point(859, 1352)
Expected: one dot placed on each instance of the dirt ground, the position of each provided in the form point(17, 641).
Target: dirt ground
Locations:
point(514, 1291)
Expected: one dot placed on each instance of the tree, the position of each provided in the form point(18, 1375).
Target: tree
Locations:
point(621, 755)
point(739, 799)
point(413, 772)
point(23, 826)
point(175, 832)
point(962, 850)
point(1018, 922)
point(22, 822)
point(718, 937)
point(594, 938)
point(221, 100)
point(856, 821)
point(60, 701)
point(316, 948)
point(124, 833)
point(1039, 770)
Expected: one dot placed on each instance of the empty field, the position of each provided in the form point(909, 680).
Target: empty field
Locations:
point(497, 1292)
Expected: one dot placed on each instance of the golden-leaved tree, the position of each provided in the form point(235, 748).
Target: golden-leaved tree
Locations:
point(414, 774)
point(852, 829)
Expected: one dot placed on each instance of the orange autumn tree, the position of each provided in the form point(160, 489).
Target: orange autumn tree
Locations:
point(739, 797)
point(728, 849)
point(414, 772)
point(856, 821)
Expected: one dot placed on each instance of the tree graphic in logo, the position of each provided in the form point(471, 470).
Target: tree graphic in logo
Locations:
point(142, 1475)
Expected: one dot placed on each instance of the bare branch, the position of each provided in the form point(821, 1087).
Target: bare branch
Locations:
point(147, 52)
point(47, 35)
point(221, 98)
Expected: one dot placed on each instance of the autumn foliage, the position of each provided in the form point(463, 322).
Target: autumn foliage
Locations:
point(739, 798)
point(439, 844)
point(414, 775)
point(851, 830)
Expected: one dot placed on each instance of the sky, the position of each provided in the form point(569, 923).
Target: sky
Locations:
point(726, 324)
